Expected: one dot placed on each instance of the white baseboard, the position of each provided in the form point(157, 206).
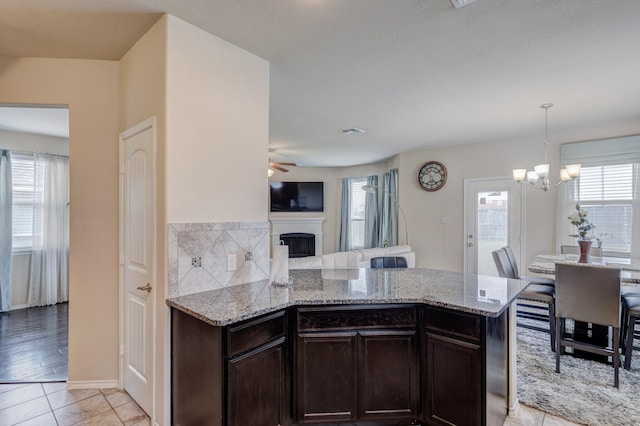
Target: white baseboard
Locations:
point(93, 384)
point(515, 409)
point(22, 306)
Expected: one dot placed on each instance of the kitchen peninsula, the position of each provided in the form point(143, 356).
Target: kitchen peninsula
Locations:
point(405, 346)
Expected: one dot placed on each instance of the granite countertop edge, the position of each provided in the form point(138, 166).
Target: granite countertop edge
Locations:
point(206, 307)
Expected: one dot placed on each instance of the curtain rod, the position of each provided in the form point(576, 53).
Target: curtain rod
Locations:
point(41, 153)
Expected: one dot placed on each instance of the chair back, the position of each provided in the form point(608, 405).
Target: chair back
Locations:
point(503, 264)
point(595, 251)
point(388, 262)
point(588, 293)
point(512, 260)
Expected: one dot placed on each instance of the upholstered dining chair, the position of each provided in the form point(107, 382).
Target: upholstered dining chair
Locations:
point(514, 265)
point(388, 262)
point(542, 294)
point(595, 251)
point(590, 294)
point(630, 317)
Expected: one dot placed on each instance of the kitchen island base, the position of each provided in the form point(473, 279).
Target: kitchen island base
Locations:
point(365, 364)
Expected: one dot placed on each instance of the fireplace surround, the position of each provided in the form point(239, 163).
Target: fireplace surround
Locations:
point(298, 225)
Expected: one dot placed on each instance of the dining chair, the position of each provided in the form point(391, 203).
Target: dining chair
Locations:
point(630, 318)
point(388, 262)
point(514, 265)
point(590, 294)
point(595, 251)
point(542, 294)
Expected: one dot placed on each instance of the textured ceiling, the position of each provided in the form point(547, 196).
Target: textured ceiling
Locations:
point(413, 74)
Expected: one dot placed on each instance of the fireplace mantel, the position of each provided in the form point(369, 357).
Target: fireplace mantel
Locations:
point(285, 225)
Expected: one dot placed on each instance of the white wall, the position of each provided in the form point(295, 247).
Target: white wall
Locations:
point(211, 103)
point(90, 89)
point(142, 95)
point(331, 176)
point(217, 129)
point(441, 246)
point(30, 142)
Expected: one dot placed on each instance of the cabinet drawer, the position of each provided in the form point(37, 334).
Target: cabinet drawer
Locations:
point(253, 333)
point(457, 324)
point(361, 317)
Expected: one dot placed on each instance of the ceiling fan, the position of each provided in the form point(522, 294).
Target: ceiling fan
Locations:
point(274, 165)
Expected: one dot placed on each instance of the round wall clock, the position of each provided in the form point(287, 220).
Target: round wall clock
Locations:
point(432, 176)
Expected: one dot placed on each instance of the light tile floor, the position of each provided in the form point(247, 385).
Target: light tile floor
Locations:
point(51, 404)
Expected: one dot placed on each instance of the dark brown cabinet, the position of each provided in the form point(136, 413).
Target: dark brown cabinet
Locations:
point(388, 375)
point(233, 376)
point(326, 377)
point(356, 363)
point(453, 381)
point(394, 364)
point(465, 365)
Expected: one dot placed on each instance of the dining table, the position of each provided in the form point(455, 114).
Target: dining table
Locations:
point(545, 264)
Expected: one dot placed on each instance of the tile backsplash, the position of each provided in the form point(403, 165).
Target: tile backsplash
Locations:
point(199, 254)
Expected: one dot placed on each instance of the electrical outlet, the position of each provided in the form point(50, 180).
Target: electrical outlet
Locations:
point(232, 262)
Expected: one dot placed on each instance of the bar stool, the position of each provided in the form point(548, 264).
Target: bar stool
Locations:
point(542, 292)
point(631, 315)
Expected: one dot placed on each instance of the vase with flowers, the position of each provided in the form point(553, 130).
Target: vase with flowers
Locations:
point(584, 232)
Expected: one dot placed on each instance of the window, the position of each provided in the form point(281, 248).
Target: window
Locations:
point(23, 172)
point(606, 193)
point(358, 197)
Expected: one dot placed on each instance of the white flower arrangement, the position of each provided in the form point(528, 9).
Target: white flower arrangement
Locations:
point(583, 225)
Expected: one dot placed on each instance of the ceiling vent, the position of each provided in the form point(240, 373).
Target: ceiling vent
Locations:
point(353, 131)
point(459, 3)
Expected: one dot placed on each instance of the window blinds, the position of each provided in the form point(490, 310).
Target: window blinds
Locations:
point(601, 152)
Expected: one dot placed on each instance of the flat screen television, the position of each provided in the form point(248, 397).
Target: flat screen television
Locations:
point(296, 196)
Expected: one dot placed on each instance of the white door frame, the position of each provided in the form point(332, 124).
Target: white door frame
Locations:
point(149, 123)
point(521, 242)
point(513, 404)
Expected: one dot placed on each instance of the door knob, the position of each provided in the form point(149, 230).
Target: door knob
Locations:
point(146, 287)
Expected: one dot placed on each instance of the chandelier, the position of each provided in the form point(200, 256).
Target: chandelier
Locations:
point(539, 177)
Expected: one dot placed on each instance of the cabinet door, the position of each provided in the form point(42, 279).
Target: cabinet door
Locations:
point(388, 375)
point(454, 381)
point(256, 387)
point(326, 377)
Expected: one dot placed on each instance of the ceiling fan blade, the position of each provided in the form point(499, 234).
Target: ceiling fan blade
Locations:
point(282, 169)
point(285, 164)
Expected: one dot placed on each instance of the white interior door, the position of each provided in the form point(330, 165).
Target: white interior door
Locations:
point(137, 246)
point(493, 219)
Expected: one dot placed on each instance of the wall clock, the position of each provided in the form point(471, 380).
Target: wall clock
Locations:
point(432, 176)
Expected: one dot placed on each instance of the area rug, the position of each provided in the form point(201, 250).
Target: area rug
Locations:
point(582, 392)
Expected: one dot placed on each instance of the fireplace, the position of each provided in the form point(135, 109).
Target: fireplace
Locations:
point(300, 244)
point(297, 225)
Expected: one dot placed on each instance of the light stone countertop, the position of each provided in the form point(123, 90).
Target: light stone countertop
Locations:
point(476, 294)
point(630, 268)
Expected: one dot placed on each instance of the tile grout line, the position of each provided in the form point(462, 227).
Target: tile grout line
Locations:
point(49, 404)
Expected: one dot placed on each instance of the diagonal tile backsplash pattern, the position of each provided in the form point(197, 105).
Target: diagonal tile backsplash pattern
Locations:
point(198, 254)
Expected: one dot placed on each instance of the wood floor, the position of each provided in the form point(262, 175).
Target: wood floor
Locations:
point(34, 344)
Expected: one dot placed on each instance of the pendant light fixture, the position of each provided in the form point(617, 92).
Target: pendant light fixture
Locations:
point(539, 177)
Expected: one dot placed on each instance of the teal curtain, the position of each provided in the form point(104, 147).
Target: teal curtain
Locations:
point(389, 209)
point(6, 224)
point(345, 216)
point(371, 224)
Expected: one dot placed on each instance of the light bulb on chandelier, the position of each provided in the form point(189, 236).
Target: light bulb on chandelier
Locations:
point(539, 177)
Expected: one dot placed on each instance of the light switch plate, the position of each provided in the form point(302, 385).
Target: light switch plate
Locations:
point(232, 262)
